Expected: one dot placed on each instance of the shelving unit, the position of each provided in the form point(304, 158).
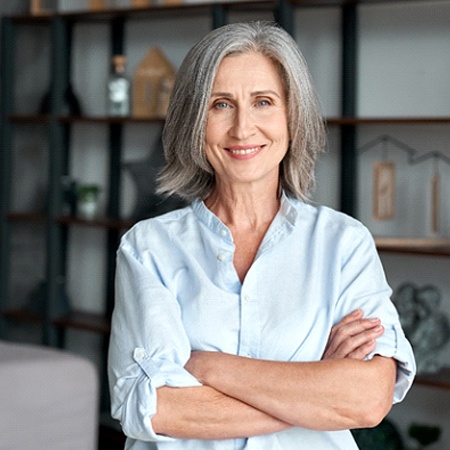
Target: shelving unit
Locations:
point(414, 246)
point(59, 127)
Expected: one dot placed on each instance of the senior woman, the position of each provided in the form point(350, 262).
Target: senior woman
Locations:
point(250, 319)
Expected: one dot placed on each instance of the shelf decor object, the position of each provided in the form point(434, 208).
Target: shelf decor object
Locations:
point(87, 204)
point(118, 88)
point(71, 105)
point(97, 5)
point(384, 177)
point(82, 5)
point(148, 83)
point(383, 190)
point(140, 3)
point(426, 327)
point(42, 7)
point(435, 200)
point(144, 174)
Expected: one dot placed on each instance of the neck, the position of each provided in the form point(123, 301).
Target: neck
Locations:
point(248, 208)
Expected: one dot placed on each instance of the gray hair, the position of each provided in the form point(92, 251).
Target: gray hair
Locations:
point(187, 172)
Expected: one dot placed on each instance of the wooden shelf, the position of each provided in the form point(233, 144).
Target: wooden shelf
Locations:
point(346, 2)
point(29, 118)
point(387, 120)
point(45, 118)
point(440, 379)
point(27, 217)
point(22, 315)
point(418, 246)
point(332, 121)
point(182, 9)
point(96, 323)
point(109, 120)
point(101, 222)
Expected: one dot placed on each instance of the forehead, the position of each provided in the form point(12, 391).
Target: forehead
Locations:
point(248, 68)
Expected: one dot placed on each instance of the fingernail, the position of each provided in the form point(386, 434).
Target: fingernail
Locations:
point(355, 312)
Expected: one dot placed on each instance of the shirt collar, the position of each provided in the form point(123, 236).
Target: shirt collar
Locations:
point(288, 214)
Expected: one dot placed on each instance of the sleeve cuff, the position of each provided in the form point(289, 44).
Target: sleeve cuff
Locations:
point(164, 372)
point(393, 344)
point(136, 415)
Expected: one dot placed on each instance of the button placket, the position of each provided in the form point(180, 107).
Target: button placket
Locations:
point(250, 326)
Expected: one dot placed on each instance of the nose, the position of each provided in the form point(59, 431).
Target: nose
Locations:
point(243, 125)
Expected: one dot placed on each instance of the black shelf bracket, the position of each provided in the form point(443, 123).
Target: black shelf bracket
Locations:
point(6, 137)
point(349, 171)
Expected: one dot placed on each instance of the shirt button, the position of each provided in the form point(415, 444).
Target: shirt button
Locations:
point(139, 354)
point(221, 256)
point(223, 232)
point(247, 298)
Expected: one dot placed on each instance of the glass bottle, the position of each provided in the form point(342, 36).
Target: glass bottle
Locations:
point(118, 101)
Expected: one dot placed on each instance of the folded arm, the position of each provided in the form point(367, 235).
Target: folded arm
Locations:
point(205, 413)
point(226, 415)
point(324, 395)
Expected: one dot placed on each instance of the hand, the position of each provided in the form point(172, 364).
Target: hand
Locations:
point(353, 337)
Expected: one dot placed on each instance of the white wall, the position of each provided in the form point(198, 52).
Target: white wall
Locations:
point(404, 65)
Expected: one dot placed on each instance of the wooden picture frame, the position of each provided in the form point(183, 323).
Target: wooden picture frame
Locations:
point(383, 190)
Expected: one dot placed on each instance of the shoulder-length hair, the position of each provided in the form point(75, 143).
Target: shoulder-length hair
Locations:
point(187, 173)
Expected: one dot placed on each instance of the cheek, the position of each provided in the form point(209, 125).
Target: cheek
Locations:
point(212, 132)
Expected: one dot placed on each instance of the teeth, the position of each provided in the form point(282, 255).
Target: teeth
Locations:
point(244, 152)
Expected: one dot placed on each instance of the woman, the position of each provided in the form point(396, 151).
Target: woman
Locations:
point(239, 319)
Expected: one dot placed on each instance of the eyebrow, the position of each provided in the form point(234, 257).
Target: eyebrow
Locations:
point(252, 94)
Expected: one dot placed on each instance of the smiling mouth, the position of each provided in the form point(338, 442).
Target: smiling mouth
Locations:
point(246, 151)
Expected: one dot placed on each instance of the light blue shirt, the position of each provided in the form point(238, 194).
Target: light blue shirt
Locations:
point(177, 291)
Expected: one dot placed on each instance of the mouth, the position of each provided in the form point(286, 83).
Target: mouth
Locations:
point(244, 150)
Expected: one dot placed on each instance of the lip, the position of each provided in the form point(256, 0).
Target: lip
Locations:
point(244, 151)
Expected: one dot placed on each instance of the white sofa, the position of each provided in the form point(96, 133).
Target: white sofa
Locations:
point(48, 399)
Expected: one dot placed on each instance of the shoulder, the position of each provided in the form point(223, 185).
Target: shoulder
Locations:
point(328, 225)
point(326, 217)
point(157, 230)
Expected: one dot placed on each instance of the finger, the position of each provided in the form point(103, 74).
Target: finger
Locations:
point(363, 351)
point(360, 339)
point(350, 319)
point(343, 346)
point(355, 327)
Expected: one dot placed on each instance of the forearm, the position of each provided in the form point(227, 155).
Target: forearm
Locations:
point(204, 413)
point(324, 395)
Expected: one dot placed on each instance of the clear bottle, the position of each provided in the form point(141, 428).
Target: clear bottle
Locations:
point(118, 88)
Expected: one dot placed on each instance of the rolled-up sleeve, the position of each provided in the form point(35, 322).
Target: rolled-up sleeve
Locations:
point(364, 286)
point(148, 345)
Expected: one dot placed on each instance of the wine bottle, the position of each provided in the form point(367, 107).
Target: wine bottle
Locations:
point(118, 98)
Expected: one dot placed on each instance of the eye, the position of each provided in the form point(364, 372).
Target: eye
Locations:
point(263, 102)
point(221, 105)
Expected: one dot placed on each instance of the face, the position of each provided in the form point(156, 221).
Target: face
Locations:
point(247, 129)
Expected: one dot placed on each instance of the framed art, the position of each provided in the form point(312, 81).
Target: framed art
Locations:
point(383, 190)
